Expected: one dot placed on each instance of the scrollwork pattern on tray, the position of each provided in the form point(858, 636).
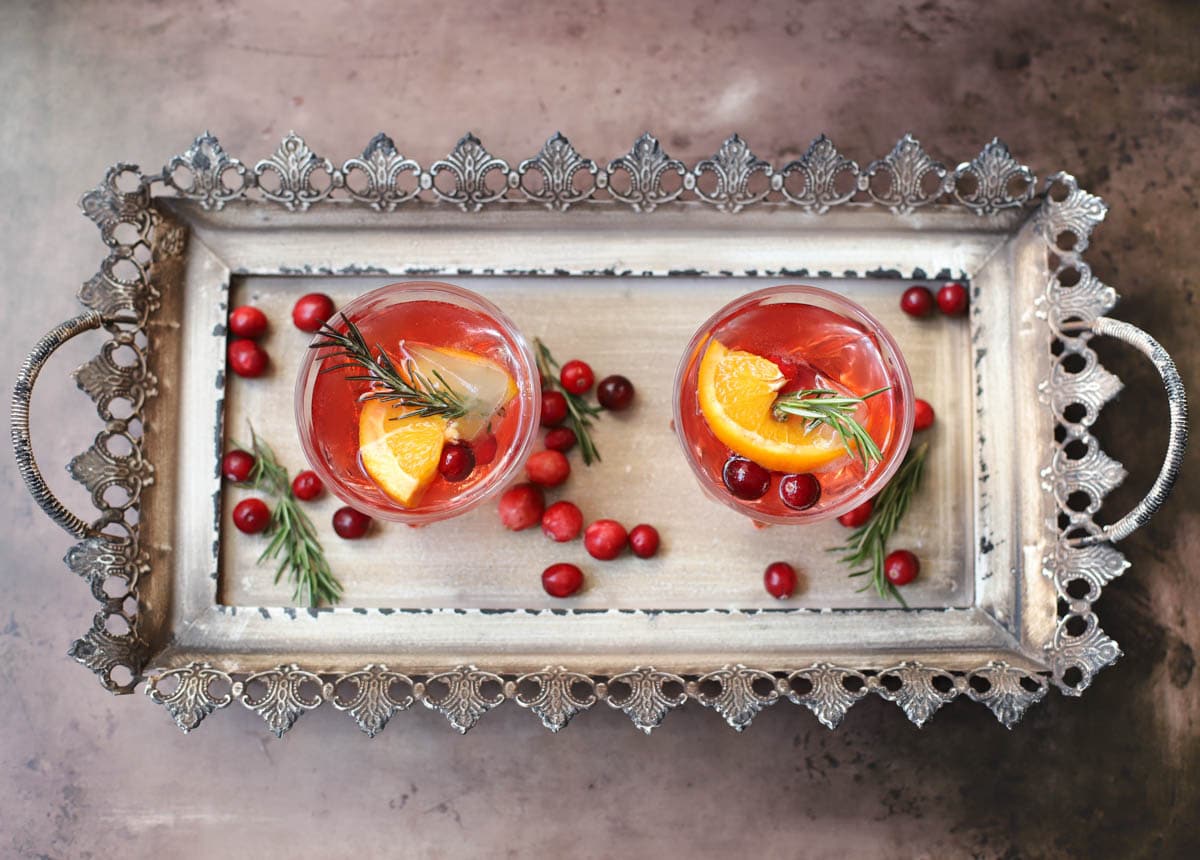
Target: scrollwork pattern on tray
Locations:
point(381, 166)
point(557, 163)
point(644, 167)
point(555, 701)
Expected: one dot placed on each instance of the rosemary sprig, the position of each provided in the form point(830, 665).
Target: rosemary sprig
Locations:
point(826, 406)
point(867, 544)
point(413, 390)
point(293, 539)
point(578, 409)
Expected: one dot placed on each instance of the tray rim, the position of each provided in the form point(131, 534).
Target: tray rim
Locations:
point(1009, 689)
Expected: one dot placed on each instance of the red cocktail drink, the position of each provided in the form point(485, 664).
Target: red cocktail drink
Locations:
point(417, 402)
point(792, 405)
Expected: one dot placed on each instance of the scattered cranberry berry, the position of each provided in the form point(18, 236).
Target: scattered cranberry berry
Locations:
point(251, 516)
point(922, 415)
point(643, 540)
point(561, 439)
point(247, 358)
point(548, 468)
point(615, 393)
point(457, 462)
point(350, 524)
point(952, 300)
point(312, 311)
point(576, 376)
point(745, 479)
point(247, 321)
point(780, 579)
point(604, 539)
point(485, 449)
point(901, 567)
point(799, 492)
point(562, 579)
point(237, 465)
point(855, 517)
point(522, 506)
point(917, 302)
point(554, 408)
point(562, 521)
point(307, 486)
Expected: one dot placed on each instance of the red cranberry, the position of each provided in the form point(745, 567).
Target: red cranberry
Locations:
point(307, 486)
point(780, 579)
point(247, 358)
point(485, 449)
point(251, 516)
point(917, 302)
point(522, 506)
point(548, 468)
point(615, 393)
point(562, 521)
point(643, 540)
point(350, 524)
point(576, 376)
point(562, 579)
point(457, 463)
point(237, 465)
point(901, 567)
point(247, 321)
point(855, 517)
point(745, 479)
point(799, 492)
point(952, 299)
point(922, 415)
point(311, 311)
point(561, 439)
point(554, 408)
point(604, 539)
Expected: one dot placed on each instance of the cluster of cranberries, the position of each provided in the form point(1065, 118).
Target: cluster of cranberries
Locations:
point(919, 301)
point(524, 505)
point(247, 358)
point(247, 324)
point(252, 515)
point(748, 481)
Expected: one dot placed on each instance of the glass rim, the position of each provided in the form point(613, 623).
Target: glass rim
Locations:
point(528, 392)
point(892, 356)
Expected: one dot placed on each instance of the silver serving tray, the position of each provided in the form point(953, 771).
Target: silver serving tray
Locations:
point(617, 263)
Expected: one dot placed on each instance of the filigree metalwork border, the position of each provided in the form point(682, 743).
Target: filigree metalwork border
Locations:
point(559, 178)
point(556, 694)
point(1079, 474)
point(144, 247)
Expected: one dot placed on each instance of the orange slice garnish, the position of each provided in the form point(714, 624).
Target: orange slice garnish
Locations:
point(400, 454)
point(485, 386)
point(737, 392)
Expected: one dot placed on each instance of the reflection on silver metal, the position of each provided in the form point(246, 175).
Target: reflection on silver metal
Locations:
point(148, 251)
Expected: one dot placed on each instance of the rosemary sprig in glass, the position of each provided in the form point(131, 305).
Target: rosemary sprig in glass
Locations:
point(578, 409)
point(417, 393)
point(867, 544)
point(826, 406)
point(293, 539)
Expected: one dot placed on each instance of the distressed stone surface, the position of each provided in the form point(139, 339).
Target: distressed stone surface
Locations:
point(1109, 91)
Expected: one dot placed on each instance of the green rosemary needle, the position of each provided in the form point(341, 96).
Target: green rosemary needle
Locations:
point(294, 540)
point(826, 406)
point(578, 409)
point(865, 549)
point(417, 393)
